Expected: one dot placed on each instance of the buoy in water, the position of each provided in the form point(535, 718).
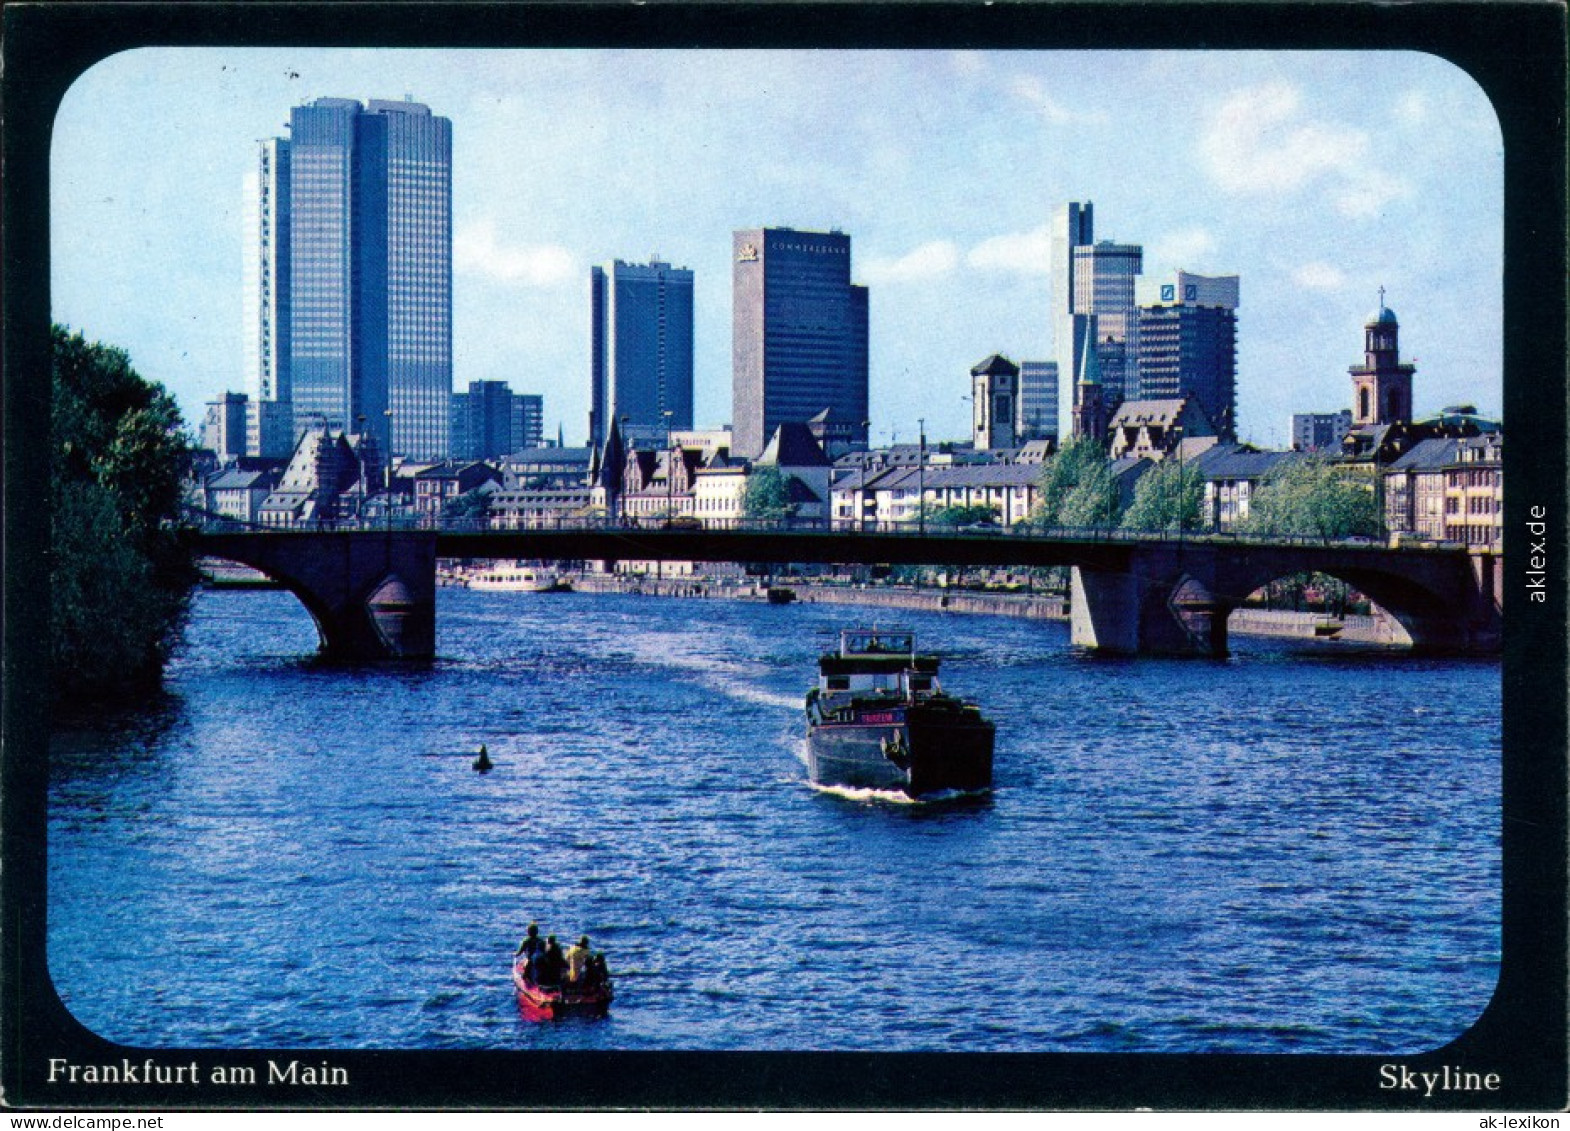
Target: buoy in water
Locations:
point(483, 762)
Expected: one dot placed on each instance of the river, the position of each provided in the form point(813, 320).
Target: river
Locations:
point(1296, 849)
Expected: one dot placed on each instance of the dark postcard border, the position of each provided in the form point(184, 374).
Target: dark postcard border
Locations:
point(1515, 51)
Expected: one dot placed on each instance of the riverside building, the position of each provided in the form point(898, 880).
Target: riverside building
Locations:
point(798, 334)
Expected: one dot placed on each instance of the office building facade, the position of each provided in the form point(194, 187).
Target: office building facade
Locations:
point(640, 350)
point(1093, 279)
point(370, 250)
point(1188, 344)
point(265, 288)
point(490, 421)
point(223, 426)
point(1038, 401)
point(798, 334)
point(528, 422)
point(1320, 431)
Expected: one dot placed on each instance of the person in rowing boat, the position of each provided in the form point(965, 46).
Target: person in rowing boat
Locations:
point(550, 966)
point(596, 974)
point(578, 961)
point(531, 948)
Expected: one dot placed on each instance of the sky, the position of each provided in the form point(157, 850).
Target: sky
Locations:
point(1317, 178)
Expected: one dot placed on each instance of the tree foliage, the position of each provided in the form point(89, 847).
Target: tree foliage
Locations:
point(974, 515)
point(767, 495)
point(474, 504)
point(120, 573)
point(1314, 498)
point(1093, 502)
point(1076, 487)
point(1170, 496)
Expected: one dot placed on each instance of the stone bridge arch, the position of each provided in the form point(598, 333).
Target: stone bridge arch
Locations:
point(1437, 599)
point(1175, 599)
point(372, 595)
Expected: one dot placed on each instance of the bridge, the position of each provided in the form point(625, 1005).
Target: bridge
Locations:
point(372, 589)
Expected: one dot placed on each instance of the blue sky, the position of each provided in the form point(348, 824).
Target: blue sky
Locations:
point(1315, 177)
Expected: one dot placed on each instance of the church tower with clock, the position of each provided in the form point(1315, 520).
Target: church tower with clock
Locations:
point(1382, 385)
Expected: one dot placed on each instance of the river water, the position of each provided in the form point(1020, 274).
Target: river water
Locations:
point(1296, 849)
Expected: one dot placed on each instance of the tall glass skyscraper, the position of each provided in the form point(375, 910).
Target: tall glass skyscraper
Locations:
point(369, 249)
point(269, 429)
point(1090, 278)
point(798, 334)
point(641, 349)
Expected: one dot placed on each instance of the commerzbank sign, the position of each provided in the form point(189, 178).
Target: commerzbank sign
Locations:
point(748, 252)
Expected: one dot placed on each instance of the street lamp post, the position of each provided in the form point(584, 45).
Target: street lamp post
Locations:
point(921, 477)
point(670, 489)
point(670, 470)
point(621, 497)
point(388, 503)
point(359, 459)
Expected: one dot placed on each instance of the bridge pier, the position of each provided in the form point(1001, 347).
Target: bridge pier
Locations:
point(1130, 614)
point(371, 593)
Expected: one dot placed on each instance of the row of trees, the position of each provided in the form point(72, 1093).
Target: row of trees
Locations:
point(1077, 489)
point(1308, 497)
point(120, 573)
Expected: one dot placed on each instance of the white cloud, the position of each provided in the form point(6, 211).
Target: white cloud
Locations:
point(477, 251)
point(1261, 143)
point(968, 62)
point(929, 261)
point(1028, 253)
point(1368, 194)
point(1188, 249)
point(1412, 108)
point(1031, 91)
point(1319, 276)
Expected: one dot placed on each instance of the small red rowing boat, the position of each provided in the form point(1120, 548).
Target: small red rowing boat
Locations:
point(541, 1004)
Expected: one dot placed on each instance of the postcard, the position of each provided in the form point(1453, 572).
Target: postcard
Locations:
point(890, 557)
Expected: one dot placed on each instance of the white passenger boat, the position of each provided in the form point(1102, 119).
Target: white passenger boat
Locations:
point(517, 577)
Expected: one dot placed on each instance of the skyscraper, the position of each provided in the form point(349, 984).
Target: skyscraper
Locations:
point(798, 334)
point(1188, 344)
point(1104, 277)
point(1090, 278)
point(269, 428)
point(370, 270)
point(641, 349)
point(266, 285)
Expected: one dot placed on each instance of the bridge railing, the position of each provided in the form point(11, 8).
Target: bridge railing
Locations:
point(211, 522)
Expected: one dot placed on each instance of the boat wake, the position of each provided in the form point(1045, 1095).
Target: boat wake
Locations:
point(895, 796)
point(671, 650)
